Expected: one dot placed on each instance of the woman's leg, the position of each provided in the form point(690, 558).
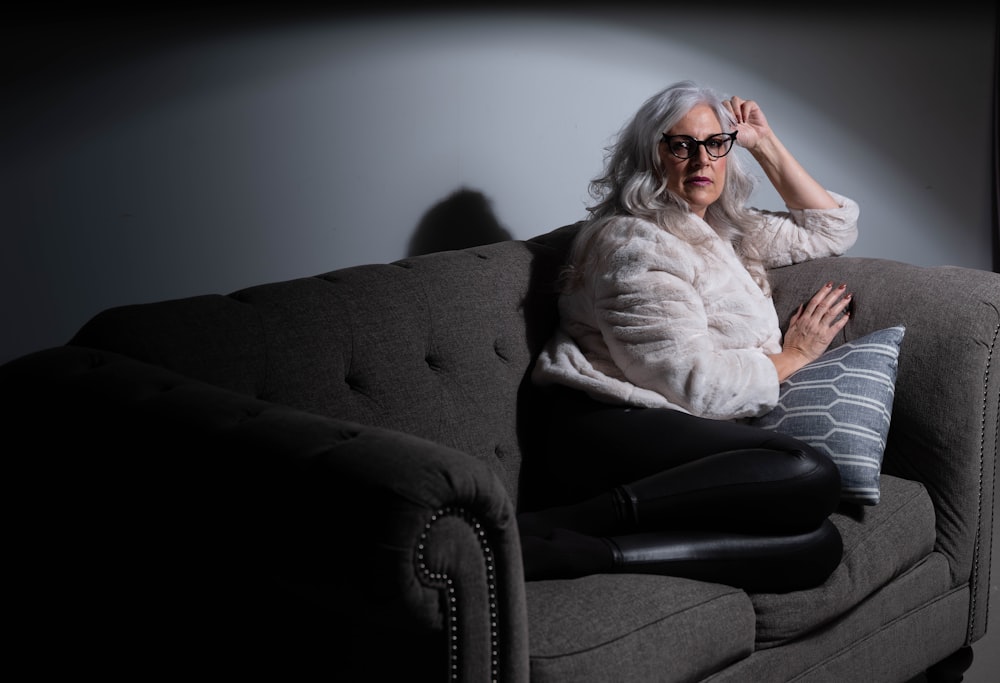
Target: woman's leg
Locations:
point(705, 490)
point(750, 490)
point(591, 445)
point(651, 470)
point(753, 562)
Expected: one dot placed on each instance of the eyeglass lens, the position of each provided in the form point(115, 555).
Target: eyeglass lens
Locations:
point(685, 147)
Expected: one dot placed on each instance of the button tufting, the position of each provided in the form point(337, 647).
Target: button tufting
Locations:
point(498, 350)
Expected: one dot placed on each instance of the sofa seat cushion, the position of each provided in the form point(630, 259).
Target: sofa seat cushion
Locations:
point(881, 542)
point(635, 627)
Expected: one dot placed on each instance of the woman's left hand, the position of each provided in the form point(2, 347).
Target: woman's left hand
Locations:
point(751, 124)
point(812, 328)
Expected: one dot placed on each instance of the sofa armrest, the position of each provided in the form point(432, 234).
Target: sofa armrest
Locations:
point(945, 411)
point(271, 535)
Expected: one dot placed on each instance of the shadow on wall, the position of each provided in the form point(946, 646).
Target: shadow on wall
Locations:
point(463, 219)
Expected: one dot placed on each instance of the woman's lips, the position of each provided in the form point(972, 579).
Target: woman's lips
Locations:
point(699, 180)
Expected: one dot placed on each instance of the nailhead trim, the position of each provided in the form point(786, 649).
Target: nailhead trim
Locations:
point(982, 454)
point(442, 580)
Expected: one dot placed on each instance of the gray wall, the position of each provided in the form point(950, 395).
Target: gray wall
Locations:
point(152, 157)
point(147, 160)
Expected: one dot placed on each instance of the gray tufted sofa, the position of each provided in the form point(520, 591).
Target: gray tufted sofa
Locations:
point(320, 477)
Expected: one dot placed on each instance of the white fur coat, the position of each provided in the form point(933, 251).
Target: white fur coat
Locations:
point(659, 322)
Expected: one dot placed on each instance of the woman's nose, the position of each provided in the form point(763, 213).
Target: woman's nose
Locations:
point(701, 157)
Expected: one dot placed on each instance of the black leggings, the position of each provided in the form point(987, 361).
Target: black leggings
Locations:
point(726, 474)
point(672, 474)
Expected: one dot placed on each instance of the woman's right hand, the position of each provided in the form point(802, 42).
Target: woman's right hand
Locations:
point(812, 328)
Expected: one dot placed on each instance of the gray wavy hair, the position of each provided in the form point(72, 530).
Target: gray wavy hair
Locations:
point(633, 182)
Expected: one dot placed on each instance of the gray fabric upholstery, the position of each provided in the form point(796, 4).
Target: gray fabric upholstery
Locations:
point(891, 636)
point(635, 628)
point(948, 359)
point(881, 542)
point(404, 346)
point(244, 475)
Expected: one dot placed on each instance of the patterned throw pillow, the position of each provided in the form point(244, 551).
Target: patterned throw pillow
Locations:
point(841, 403)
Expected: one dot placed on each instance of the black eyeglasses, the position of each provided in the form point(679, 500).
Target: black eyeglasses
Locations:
point(685, 146)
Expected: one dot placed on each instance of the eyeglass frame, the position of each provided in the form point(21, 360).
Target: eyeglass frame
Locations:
point(703, 143)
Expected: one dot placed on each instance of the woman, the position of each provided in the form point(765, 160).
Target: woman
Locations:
point(668, 339)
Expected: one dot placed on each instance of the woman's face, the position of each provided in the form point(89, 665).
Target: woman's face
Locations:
point(698, 180)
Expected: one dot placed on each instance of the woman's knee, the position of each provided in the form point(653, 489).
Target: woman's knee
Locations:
point(818, 486)
point(826, 474)
point(810, 462)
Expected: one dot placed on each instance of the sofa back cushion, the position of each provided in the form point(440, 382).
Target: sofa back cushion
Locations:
point(439, 345)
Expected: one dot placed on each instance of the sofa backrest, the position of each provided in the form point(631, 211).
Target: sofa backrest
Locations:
point(439, 345)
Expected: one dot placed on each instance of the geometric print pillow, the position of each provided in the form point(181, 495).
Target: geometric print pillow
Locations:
point(841, 403)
